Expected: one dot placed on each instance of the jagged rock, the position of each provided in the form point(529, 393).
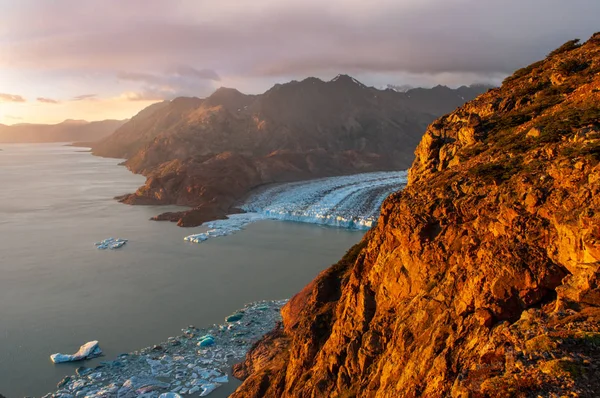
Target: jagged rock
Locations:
point(470, 264)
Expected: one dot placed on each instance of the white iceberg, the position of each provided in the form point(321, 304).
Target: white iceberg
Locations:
point(86, 351)
point(110, 243)
point(208, 388)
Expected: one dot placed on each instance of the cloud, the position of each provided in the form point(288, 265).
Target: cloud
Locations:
point(13, 117)
point(177, 48)
point(11, 98)
point(274, 38)
point(147, 95)
point(84, 97)
point(178, 81)
point(140, 77)
point(47, 100)
point(188, 71)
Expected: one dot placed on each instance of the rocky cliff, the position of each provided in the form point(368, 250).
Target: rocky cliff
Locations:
point(481, 278)
point(208, 153)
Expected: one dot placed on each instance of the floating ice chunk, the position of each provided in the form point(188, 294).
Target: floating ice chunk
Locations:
point(180, 369)
point(88, 350)
point(222, 379)
point(208, 388)
point(234, 223)
point(111, 243)
point(234, 317)
point(206, 341)
point(143, 384)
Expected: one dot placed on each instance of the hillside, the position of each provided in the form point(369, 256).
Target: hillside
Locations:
point(67, 131)
point(481, 278)
point(209, 153)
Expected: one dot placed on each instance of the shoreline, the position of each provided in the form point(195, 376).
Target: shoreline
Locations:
point(185, 364)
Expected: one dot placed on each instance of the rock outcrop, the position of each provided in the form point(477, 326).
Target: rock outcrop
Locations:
point(209, 153)
point(481, 278)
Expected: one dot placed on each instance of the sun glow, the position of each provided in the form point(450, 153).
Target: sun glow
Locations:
point(89, 109)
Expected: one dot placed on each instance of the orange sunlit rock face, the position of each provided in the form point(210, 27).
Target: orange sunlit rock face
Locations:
point(482, 276)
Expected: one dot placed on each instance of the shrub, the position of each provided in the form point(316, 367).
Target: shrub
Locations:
point(572, 65)
point(554, 127)
point(568, 46)
point(523, 72)
point(496, 172)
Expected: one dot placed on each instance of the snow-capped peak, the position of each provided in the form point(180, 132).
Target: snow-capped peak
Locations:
point(342, 77)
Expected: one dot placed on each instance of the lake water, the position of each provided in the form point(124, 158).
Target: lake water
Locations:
point(57, 291)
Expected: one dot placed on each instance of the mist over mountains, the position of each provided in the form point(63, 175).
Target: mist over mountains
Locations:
point(67, 131)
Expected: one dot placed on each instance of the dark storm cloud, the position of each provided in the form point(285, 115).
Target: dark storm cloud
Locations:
point(11, 98)
point(268, 38)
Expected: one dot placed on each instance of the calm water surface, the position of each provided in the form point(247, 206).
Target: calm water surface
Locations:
point(57, 291)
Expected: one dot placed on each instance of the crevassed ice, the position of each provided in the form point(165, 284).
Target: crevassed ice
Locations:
point(348, 202)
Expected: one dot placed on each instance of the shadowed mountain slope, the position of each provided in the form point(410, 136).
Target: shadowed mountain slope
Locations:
point(208, 153)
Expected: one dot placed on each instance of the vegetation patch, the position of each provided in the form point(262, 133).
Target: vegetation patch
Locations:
point(568, 46)
point(561, 125)
point(543, 343)
point(589, 339)
point(352, 254)
point(496, 172)
point(523, 72)
point(571, 66)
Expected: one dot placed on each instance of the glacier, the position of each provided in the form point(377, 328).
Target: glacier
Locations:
point(351, 202)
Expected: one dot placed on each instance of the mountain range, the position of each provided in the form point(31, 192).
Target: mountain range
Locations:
point(209, 153)
point(67, 131)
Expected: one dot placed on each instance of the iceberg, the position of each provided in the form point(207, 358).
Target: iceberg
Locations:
point(234, 318)
point(86, 351)
point(222, 379)
point(234, 223)
point(110, 243)
point(208, 388)
point(206, 341)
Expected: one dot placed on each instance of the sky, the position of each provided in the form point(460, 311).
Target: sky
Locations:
point(108, 59)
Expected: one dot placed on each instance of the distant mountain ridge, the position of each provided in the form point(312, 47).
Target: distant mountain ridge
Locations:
point(66, 131)
point(208, 153)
